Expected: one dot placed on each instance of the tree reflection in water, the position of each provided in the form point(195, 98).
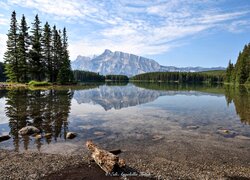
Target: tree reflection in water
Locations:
point(47, 110)
point(240, 96)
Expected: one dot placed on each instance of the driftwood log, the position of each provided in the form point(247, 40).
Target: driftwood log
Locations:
point(106, 160)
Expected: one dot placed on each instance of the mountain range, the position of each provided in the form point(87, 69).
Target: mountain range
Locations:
point(127, 64)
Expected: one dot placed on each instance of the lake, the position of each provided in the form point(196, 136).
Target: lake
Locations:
point(160, 125)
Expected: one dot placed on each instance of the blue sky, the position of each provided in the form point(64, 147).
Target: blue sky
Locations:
point(173, 32)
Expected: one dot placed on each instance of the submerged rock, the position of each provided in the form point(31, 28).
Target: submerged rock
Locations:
point(4, 138)
point(192, 127)
point(28, 130)
point(99, 133)
point(48, 135)
point(38, 136)
point(70, 135)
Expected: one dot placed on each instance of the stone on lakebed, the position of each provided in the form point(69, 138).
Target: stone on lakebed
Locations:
point(28, 130)
point(4, 138)
point(70, 135)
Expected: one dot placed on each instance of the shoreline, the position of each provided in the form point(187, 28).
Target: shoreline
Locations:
point(34, 165)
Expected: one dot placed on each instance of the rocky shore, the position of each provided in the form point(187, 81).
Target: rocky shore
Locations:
point(33, 165)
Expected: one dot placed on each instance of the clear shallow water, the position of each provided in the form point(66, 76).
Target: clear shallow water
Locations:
point(144, 114)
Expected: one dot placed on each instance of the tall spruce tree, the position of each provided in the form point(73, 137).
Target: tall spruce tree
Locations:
point(22, 46)
point(65, 75)
point(229, 72)
point(11, 55)
point(56, 52)
point(36, 60)
point(47, 51)
point(242, 66)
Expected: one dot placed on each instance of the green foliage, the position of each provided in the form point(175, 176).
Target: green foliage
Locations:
point(2, 75)
point(65, 75)
point(39, 83)
point(47, 51)
point(182, 77)
point(240, 73)
point(22, 47)
point(85, 76)
point(43, 56)
point(36, 60)
point(116, 78)
point(11, 55)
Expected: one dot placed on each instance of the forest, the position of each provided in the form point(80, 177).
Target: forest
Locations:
point(40, 54)
point(239, 73)
point(182, 77)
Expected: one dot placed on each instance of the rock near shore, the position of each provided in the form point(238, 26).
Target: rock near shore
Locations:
point(28, 130)
point(4, 138)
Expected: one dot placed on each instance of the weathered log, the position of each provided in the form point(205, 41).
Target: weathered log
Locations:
point(106, 160)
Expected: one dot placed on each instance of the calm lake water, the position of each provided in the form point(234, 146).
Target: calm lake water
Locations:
point(135, 117)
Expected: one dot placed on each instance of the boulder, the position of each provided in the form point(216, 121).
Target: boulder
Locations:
point(4, 138)
point(28, 130)
point(70, 135)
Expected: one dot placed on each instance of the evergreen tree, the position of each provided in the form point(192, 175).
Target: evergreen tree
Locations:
point(36, 60)
point(229, 72)
point(56, 52)
point(65, 75)
point(242, 66)
point(11, 55)
point(47, 51)
point(23, 45)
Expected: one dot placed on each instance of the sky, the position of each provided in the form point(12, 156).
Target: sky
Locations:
point(181, 33)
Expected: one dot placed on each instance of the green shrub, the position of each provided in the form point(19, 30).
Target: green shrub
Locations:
point(38, 83)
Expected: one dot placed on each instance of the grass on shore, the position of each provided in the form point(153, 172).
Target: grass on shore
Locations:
point(38, 83)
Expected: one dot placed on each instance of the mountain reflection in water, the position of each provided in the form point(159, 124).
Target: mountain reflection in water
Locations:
point(49, 110)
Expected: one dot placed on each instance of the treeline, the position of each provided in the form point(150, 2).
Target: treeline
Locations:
point(86, 76)
point(182, 77)
point(39, 54)
point(116, 78)
point(240, 72)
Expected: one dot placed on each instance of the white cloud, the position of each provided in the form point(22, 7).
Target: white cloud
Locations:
point(140, 27)
point(3, 20)
point(3, 39)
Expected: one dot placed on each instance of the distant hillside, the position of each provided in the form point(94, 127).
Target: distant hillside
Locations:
point(127, 64)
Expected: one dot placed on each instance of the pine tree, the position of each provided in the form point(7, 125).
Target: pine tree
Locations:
point(242, 67)
point(65, 75)
point(11, 55)
point(229, 72)
point(36, 60)
point(47, 51)
point(56, 52)
point(22, 46)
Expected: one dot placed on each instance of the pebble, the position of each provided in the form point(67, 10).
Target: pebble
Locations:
point(99, 133)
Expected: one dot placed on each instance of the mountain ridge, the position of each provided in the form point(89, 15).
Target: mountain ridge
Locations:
point(127, 64)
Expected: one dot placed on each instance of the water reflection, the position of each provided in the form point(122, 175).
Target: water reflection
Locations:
point(240, 97)
point(186, 105)
point(119, 97)
point(47, 110)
